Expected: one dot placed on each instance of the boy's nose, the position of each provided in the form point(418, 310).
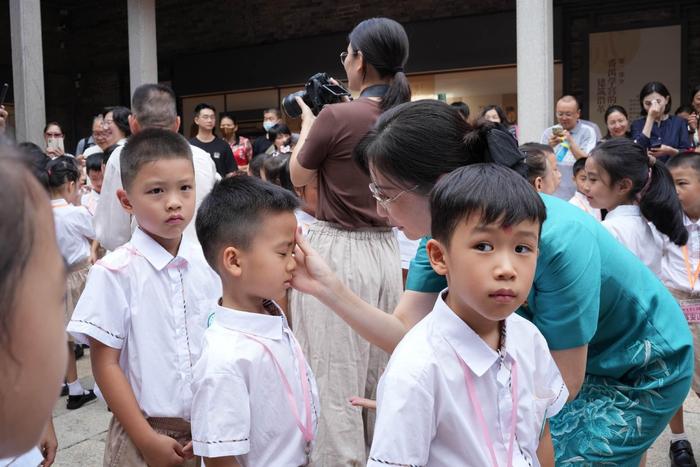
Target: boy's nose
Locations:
point(504, 269)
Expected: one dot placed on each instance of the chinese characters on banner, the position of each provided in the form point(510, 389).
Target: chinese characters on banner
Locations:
point(619, 65)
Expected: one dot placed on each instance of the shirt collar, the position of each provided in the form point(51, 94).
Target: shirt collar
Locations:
point(689, 223)
point(471, 348)
point(625, 210)
point(158, 256)
point(267, 326)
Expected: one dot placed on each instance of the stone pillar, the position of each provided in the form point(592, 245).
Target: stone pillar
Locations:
point(28, 70)
point(535, 67)
point(143, 60)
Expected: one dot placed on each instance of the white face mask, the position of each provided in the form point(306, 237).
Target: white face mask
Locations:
point(267, 125)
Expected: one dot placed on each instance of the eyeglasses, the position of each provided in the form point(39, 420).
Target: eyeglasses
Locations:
point(344, 55)
point(207, 117)
point(382, 199)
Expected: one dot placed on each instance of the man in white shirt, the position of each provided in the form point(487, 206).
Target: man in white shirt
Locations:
point(580, 138)
point(152, 106)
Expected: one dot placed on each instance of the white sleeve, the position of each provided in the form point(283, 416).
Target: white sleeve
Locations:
point(551, 392)
point(112, 223)
point(102, 311)
point(588, 143)
point(220, 413)
point(405, 422)
point(83, 224)
point(544, 139)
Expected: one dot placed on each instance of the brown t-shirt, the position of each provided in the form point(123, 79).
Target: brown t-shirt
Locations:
point(343, 194)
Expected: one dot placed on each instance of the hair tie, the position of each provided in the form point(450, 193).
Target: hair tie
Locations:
point(647, 184)
point(503, 150)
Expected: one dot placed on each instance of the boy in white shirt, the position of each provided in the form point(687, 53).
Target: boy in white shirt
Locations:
point(580, 200)
point(472, 384)
point(145, 307)
point(93, 168)
point(255, 398)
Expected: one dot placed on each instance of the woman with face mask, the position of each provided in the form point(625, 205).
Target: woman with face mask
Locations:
point(663, 134)
point(240, 146)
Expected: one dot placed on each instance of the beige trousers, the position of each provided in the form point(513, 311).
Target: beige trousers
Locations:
point(344, 364)
point(120, 451)
point(75, 284)
point(695, 331)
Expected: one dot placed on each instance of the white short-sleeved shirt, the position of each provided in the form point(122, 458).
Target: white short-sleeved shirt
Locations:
point(630, 228)
point(154, 308)
point(304, 220)
point(674, 274)
point(240, 407)
point(407, 248)
point(424, 413)
point(114, 226)
point(31, 458)
point(73, 231)
point(90, 201)
point(580, 201)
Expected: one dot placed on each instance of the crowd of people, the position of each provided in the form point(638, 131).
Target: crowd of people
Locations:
point(397, 284)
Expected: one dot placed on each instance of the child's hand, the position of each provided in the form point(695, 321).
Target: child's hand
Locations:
point(48, 445)
point(188, 450)
point(357, 401)
point(162, 451)
point(312, 275)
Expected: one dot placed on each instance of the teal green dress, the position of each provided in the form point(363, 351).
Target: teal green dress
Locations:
point(589, 289)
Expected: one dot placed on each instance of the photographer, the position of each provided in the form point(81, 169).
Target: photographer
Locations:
point(350, 235)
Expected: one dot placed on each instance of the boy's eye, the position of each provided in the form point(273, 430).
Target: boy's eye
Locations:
point(186, 187)
point(484, 247)
point(156, 191)
point(523, 249)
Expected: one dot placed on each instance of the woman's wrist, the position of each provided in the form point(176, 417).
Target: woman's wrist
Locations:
point(332, 291)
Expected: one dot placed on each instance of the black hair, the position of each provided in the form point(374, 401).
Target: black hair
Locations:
point(276, 169)
point(579, 165)
point(650, 87)
point(611, 110)
point(36, 160)
point(496, 193)
point(684, 108)
point(151, 145)
point(230, 116)
point(462, 108)
point(62, 170)
point(234, 209)
point(686, 159)
point(22, 199)
point(46, 127)
point(536, 160)
point(501, 114)
point(652, 184)
point(153, 106)
point(273, 110)
point(278, 129)
point(256, 164)
point(203, 106)
point(384, 45)
point(415, 143)
point(93, 162)
point(120, 117)
point(107, 153)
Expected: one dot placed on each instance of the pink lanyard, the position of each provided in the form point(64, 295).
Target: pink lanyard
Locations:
point(480, 415)
point(307, 429)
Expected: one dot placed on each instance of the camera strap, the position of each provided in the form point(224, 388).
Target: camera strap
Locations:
point(377, 90)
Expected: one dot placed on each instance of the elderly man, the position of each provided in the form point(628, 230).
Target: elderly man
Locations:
point(571, 140)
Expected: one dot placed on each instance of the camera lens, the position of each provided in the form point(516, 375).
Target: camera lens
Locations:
point(290, 106)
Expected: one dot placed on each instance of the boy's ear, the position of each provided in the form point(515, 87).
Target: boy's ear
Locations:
point(124, 201)
point(538, 183)
point(231, 261)
point(436, 255)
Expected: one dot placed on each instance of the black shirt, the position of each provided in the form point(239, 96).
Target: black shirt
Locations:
point(261, 144)
point(220, 152)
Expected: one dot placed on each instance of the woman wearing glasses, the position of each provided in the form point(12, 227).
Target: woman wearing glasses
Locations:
point(354, 240)
point(617, 335)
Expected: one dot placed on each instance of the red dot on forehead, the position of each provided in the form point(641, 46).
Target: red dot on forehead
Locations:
point(507, 229)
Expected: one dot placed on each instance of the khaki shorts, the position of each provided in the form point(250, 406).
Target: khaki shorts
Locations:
point(695, 331)
point(120, 451)
point(75, 283)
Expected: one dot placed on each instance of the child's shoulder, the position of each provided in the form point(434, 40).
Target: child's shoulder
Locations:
point(525, 337)
point(120, 259)
point(229, 351)
point(416, 356)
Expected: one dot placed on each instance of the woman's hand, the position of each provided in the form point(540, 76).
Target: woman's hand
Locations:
point(656, 111)
point(312, 275)
point(663, 150)
point(307, 116)
point(693, 121)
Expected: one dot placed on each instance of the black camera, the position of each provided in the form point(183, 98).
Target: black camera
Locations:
point(317, 92)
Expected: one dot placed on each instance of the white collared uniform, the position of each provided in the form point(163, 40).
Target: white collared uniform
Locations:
point(424, 413)
point(674, 274)
point(154, 308)
point(90, 201)
point(240, 406)
point(580, 201)
point(73, 231)
point(630, 228)
point(113, 225)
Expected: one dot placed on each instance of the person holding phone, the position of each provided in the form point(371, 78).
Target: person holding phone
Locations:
point(662, 134)
point(53, 135)
point(693, 131)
